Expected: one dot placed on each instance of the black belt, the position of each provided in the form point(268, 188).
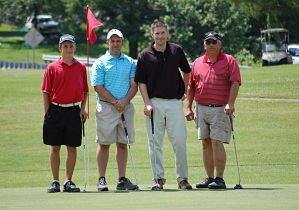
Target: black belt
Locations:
point(211, 105)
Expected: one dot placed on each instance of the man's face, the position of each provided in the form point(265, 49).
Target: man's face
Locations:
point(115, 44)
point(160, 35)
point(67, 49)
point(212, 46)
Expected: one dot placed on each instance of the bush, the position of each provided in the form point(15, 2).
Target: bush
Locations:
point(244, 57)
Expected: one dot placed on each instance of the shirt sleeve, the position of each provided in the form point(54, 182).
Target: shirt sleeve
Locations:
point(85, 83)
point(140, 71)
point(184, 64)
point(191, 82)
point(97, 74)
point(234, 69)
point(133, 69)
point(47, 81)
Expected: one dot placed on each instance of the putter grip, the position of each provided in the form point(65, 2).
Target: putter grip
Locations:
point(152, 122)
point(124, 123)
point(231, 122)
point(83, 128)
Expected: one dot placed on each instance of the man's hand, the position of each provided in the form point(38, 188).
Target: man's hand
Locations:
point(184, 97)
point(148, 110)
point(229, 109)
point(189, 115)
point(83, 115)
point(120, 105)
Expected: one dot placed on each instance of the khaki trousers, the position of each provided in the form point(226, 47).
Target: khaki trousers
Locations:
point(169, 116)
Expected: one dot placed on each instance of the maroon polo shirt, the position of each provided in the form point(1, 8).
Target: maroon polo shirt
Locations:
point(212, 81)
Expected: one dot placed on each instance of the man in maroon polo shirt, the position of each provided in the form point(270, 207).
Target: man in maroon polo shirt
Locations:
point(65, 91)
point(214, 85)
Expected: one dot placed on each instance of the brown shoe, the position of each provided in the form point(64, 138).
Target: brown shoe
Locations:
point(184, 184)
point(158, 185)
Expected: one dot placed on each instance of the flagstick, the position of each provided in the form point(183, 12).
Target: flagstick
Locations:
point(87, 54)
point(86, 148)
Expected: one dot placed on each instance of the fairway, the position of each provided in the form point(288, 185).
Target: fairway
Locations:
point(252, 197)
point(266, 133)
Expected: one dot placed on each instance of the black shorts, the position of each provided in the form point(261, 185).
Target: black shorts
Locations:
point(62, 126)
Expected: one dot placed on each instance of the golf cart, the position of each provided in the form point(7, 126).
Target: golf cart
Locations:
point(275, 46)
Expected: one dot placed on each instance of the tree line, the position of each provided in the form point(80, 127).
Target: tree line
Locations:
point(238, 21)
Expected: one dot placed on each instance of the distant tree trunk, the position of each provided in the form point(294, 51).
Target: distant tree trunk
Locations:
point(133, 48)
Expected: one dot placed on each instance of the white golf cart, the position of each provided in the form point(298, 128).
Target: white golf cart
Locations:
point(275, 46)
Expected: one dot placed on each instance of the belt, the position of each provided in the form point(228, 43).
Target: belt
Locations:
point(66, 105)
point(211, 105)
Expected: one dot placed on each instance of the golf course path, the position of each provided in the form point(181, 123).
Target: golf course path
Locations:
point(270, 99)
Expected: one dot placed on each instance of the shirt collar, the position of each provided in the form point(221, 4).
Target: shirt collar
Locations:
point(219, 57)
point(60, 61)
point(122, 56)
point(155, 51)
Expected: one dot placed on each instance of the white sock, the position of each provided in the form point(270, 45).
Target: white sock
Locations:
point(55, 181)
point(66, 181)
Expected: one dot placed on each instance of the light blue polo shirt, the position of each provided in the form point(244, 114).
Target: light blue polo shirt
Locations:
point(114, 74)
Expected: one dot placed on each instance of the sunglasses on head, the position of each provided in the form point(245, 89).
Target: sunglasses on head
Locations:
point(208, 42)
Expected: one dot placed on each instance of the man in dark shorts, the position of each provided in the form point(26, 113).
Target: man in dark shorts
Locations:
point(65, 91)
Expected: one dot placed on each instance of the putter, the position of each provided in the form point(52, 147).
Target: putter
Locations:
point(131, 154)
point(238, 186)
point(85, 154)
point(153, 150)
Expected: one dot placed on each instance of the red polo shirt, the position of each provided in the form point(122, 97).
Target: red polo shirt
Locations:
point(211, 81)
point(65, 83)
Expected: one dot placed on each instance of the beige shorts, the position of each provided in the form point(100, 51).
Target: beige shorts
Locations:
point(213, 123)
point(110, 128)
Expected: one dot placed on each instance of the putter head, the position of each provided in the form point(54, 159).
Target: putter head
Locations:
point(137, 189)
point(238, 187)
point(156, 188)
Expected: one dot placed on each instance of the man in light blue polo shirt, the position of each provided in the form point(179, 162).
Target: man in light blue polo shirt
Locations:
point(112, 76)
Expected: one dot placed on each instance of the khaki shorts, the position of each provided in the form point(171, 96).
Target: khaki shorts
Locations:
point(110, 128)
point(213, 123)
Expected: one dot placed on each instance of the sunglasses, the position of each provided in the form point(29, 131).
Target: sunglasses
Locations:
point(208, 42)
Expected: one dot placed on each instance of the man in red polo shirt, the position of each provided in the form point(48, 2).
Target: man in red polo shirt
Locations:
point(65, 91)
point(214, 85)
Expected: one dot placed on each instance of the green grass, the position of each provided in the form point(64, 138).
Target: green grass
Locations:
point(6, 27)
point(253, 197)
point(13, 49)
point(271, 82)
point(266, 133)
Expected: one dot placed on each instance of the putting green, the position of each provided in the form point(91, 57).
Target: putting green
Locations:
point(266, 196)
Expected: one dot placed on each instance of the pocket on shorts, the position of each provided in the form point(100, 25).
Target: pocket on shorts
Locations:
point(196, 116)
point(103, 108)
point(223, 121)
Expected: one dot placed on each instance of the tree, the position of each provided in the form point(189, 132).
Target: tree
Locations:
point(273, 13)
point(17, 11)
point(196, 17)
point(128, 16)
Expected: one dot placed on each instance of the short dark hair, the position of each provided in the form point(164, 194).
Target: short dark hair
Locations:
point(158, 23)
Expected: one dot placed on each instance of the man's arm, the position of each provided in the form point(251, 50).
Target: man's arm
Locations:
point(190, 97)
point(233, 93)
point(105, 94)
point(46, 99)
point(186, 80)
point(148, 108)
point(121, 104)
point(83, 113)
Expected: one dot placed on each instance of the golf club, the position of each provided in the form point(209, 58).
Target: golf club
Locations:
point(131, 155)
point(238, 186)
point(85, 155)
point(153, 151)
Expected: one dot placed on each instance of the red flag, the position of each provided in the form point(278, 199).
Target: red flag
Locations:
point(91, 23)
